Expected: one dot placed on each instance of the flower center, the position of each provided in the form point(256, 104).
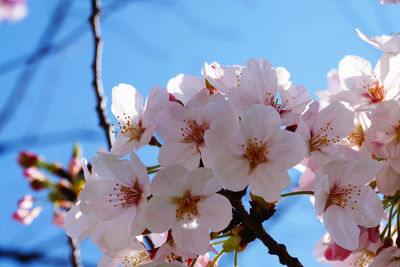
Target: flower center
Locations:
point(135, 259)
point(187, 206)
point(323, 138)
point(126, 196)
point(397, 132)
point(364, 259)
point(344, 197)
point(357, 136)
point(129, 127)
point(193, 132)
point(375, 91)
point(270, 100)
point(255, 152)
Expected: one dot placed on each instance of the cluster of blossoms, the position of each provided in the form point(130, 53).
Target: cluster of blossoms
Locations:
point(13, 10)
point(239, 128)
point(62, 185)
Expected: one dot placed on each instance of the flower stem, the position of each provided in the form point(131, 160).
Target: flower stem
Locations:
point(298, 193)
point(217, 242)
point(153, 167)
point(216, 258)
point(194, 262)
point(224, 235)
point(390, 221)
point(235, 264)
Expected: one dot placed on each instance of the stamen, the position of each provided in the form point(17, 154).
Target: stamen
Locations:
point(344, 196)
point(130, 128)
point(364, 259)
point(135, 259)
point(193, 132)
point(271, 100)
point(323, 139)
point(255, 152)
point(187, 206)
point(375, 91)
point(125, 196)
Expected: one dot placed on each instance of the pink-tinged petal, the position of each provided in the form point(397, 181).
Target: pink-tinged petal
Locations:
point(216, 212)
point(170, 121)
point(191, 237)
point(386, 43)
point(170, 181)
point(117, 232)
point(385, 117)
point(268, 180)
point(321, 192)
point(395, 162)
point(336, 253)
point(156, 101)
point(260, 78)
point(160, 214)
point(123, 145)
point(335, 121)
point(186, 154)
point(126, 101)
point(184, 87)
point(77, 225)
point(388, 180)
point(387, 257)
point(140, 170)
point(387, 71)
point(242, 100)
point(287, 148)
point(201, 181)
point(359, 172)
point(341, 227)
point(158, 239)
point(218, 137)
point(95, 203)
point(106, 261)
point(354, 70)
point(260, 121)
point(369, 211)
point(232, 171)
point(108, 167)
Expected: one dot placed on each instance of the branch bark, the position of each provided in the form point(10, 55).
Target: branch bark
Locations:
point(75, 253)
point(96, 69)
point(256, 227)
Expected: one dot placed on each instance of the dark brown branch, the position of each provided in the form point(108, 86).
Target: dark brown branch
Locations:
point(96, 68)
point(75, 256)
point(258, 230)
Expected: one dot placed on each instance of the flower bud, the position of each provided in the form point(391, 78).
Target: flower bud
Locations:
point(27, 159)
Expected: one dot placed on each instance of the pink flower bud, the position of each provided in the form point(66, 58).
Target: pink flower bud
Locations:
point(58, 218)
point(75, 166)
point(27, 159)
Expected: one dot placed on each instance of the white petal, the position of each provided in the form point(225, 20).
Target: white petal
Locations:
point(341, 227)
point(184, 87)
point(123, 145)
point(126, 100)
point(268, 180)
point(191, 237)
point(117, 232)
point(160, 214)
point(216, 212)
point(170, 181)
point(388, 180)
point(369, 211)
point(201, 181)
point(260, 121)
point(287, 148)
point(353, 70)
point(232, 171)
point(140, 169)
point(186, 154)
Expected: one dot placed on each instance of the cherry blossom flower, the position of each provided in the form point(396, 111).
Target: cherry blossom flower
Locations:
point(136, 123)
point(13, 10)
point(367, 86)
point(187, 202)
point(116, 194)
point(389, 1)
point(185, 87)
point(344, 201)
point(389, 257)
point(254, 151)
point(77, 225)
point(388, 44)
point(223, 78)
point(323, 129)
point(182, 129)
point(25, 214)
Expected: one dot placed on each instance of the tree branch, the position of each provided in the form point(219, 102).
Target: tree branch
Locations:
point(256, 227)
point(96, 68)
point(75, 253)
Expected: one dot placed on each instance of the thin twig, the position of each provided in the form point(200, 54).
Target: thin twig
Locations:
point(75, 253)
point(256, 227)
point(96, 68)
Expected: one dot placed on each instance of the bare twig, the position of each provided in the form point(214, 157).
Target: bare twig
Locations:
point(258, 230)
point(75, 253)
point(96, 69)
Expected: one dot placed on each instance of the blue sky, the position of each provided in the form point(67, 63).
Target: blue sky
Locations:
point(146, 44)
